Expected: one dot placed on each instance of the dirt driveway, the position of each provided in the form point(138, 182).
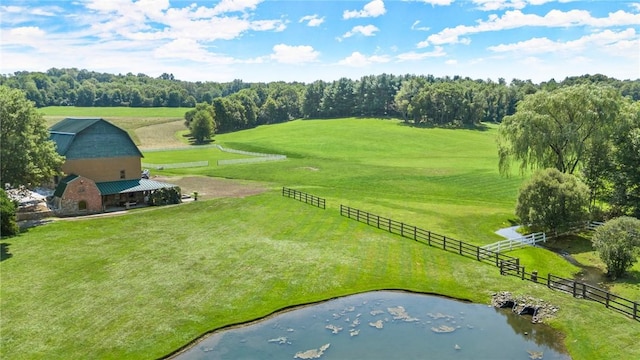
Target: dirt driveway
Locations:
point(209, 188)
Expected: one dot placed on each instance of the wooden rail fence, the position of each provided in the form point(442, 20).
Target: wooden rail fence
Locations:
point(427, 237)
point(576, 288)
point(508, 265)
point(304, 197)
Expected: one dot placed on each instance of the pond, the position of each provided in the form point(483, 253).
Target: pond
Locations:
point(385, 325)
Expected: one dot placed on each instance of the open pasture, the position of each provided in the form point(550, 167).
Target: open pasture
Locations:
point(439, 179)
point(143, 284)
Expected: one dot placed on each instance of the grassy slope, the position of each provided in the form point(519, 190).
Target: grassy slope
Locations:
point(144, 284)
point(442, 180)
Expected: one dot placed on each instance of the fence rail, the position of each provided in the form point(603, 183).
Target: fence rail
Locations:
point(176, 165)
point(427, 237)
point(250, 160)
point(576, 288)
point(304, 197)
point(508, 265)
point(512, 244)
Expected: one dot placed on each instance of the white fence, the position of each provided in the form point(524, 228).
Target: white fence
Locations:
point(511, 244)
point(258, 157)
point(176, 165)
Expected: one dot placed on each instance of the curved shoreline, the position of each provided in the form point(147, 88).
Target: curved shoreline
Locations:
point(286, 309)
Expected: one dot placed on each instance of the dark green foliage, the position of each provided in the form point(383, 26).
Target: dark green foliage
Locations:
point(618, 244)
point(202, 126)
point(8, 214)
point(553, 201)
point(558, 129)
point(165, 196)
point(28, 156)
point(626, 163)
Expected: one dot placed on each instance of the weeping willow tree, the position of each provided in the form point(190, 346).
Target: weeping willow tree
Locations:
point(559, 129)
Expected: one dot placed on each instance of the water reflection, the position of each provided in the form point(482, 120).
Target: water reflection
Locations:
point(385, 325)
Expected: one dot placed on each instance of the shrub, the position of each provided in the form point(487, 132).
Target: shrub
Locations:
point(618, 244)
point(165, 196)
point(8, 214)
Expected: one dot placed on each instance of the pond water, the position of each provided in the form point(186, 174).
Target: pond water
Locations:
point(386, 325)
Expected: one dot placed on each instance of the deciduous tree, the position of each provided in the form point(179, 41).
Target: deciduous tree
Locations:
point(552, 201)
point(557, 129)
point(202, 126)
point(27, 155)
point(618, 244)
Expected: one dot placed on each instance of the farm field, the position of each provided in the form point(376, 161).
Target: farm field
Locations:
point(143, 284)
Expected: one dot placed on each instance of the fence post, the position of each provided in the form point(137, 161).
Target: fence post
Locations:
point(635, 311)
point(402, 229)
point(478, 253)
point(429, 237)
point(415, 233)
point(460, 245)
point(501, 267)
point(367, 218)
point(283, 191)
point(549, 280)
point(574, 288)
point(607, 304)
point(444, 243)
point(584, 291)
point(358, 215)
point(522, 272)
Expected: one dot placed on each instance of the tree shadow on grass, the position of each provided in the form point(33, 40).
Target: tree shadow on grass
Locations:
point(476, 127)
point(4, 251)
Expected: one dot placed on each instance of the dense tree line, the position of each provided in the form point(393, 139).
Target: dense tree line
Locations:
point(418, 99)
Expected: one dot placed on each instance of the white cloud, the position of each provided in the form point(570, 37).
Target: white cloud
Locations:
point(235, 5)
point(373, 9)
point(368, 30)
point(356, 59)
point(24, 36)
point(492, 5)
point(312, 20)
point(294, 54)
point(266, 25)
point(451, 62)
point(437, 2)
point(516, 19)
point(415, 26)
point(189, 50)
point(611, 42)
point(438, 51)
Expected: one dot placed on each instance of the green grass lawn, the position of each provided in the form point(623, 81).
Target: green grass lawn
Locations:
point(143, 284)
point(439, 179)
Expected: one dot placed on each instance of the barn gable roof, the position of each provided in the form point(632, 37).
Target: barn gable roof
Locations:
point(88, 138)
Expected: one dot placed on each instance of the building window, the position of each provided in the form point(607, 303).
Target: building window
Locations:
point(82, 205)
point(122, 174)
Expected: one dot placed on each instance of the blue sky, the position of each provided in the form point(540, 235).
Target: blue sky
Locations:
point(307, 40)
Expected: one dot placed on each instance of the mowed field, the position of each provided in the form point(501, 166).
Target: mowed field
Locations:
point(143, 284)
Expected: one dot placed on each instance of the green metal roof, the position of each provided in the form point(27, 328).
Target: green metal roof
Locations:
point(74, 125)
point(90, 138)
point(128, 186)
point(62, 185)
